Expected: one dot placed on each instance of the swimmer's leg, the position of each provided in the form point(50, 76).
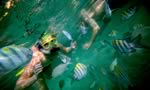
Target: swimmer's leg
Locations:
point(95, 28)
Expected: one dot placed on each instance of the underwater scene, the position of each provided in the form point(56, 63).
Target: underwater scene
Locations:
point(74, 44)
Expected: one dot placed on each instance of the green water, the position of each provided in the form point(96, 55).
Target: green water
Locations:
point(58, 15)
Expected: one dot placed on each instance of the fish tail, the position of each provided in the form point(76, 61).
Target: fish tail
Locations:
point(137, 42)
point(137, 39)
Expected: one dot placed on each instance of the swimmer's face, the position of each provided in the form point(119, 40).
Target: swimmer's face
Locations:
point(48, 42)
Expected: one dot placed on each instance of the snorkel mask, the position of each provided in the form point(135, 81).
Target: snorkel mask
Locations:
point(48, 41)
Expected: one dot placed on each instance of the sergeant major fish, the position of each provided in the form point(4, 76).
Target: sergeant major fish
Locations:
point(119, 72)
point(128, 45)
point(129, 12)
point(123, 46)
point(80, 71)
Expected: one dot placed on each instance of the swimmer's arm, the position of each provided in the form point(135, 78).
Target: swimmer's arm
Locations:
point(22, 83)
point(26, 79)
point(67, 49)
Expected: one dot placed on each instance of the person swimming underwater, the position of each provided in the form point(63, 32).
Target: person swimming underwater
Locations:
point(88, 16)
point(27, 63)
point(46, 45)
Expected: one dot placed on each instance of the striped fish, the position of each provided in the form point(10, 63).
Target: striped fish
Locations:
point(80, 71)
point(118, 70)
point(129, 12)
point(123, 46)
point(12, 58)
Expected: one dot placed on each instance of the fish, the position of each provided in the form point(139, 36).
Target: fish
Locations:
point(123, 46)
point(80, 71)
point(64, 58)
point(129, 45)
point(113, 64)
point(119, 72)
point(128, 13)
point(67, 34)
point(108, 11)
point(12, 58)
point(60, 69)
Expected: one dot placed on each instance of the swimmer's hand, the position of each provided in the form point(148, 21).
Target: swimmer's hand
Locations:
point(68, 49)
point(87, 45)
point(37, 69)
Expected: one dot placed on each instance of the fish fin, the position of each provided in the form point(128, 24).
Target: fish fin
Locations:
point(137, 42)
point(137, 39)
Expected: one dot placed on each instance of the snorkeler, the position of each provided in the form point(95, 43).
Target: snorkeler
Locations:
point(88, 16)
point(46, 45)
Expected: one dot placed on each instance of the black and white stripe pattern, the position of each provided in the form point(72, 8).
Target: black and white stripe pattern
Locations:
point(80, 71)
point(123, 46)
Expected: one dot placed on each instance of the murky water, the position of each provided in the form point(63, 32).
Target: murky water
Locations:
point(26, 20)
